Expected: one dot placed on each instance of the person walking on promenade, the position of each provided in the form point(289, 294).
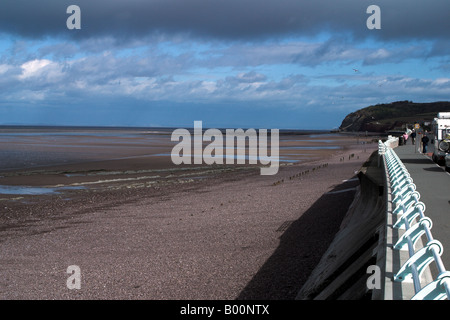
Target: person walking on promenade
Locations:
point(413, 137)
point(425, 141)
point(405, 136)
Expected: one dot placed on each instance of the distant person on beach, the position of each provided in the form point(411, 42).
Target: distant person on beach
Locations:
point(425, 141)
point(413, 137)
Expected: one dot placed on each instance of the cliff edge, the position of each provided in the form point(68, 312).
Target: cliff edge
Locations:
point(392, 116)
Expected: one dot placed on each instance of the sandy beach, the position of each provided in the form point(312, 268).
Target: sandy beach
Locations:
point(141, 229)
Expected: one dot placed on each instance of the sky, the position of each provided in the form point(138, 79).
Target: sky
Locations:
point(287, 64)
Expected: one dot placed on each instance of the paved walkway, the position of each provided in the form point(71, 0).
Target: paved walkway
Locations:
point(433, 184)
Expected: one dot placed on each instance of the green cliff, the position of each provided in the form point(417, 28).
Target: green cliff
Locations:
point(392, 116)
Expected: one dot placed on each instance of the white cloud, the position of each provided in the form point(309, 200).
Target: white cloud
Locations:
point(379, 54)
point(442, 81)
point(33, 68)
point(4, 68)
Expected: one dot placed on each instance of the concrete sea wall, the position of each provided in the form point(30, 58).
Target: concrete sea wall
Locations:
point(342, 270)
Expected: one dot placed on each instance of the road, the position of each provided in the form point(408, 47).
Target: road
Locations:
point(433, 184)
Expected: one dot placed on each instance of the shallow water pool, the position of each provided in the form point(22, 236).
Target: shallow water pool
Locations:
point(27, 190)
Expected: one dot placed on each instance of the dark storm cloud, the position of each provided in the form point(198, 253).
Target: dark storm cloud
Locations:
point(226, 19)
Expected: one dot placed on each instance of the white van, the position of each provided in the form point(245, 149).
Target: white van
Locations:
point(441, 132)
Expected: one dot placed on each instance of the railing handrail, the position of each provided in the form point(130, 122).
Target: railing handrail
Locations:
point(408, 208)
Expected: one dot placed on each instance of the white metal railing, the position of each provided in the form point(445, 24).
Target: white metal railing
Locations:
point(408, 209)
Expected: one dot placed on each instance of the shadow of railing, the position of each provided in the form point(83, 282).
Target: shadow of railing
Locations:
point(301, 247)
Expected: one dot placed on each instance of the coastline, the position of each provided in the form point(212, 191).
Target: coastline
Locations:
point(215, 233)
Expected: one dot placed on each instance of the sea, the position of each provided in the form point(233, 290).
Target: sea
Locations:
point(24, 147)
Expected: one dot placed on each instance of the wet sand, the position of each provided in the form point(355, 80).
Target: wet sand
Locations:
point(142, 229)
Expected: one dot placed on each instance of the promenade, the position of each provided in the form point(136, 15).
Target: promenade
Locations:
point(433, 184)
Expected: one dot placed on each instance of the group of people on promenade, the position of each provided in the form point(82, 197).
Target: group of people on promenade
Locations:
point(425, 140)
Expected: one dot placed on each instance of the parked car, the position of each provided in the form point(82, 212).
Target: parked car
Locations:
point(441, 138)
point(447, 162)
